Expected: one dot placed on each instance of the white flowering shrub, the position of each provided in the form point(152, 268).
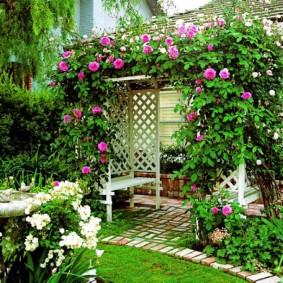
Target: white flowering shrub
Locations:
point(56, 225)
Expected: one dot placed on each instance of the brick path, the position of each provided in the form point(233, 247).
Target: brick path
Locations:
point(161, 230)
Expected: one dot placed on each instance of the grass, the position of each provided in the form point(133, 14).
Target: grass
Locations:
point(123, 264)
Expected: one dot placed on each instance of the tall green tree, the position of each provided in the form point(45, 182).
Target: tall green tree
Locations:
point(26, 27)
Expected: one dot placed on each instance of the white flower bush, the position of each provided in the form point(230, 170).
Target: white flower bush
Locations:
point(57, 222)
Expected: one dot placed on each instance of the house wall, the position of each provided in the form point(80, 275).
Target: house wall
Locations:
point(90, 14)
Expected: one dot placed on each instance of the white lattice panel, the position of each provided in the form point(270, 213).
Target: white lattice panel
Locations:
point(145, 130)
point(136, 142)
point(121, 143)
point(239, 186)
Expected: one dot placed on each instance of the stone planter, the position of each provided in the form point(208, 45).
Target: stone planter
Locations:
point(171, 188)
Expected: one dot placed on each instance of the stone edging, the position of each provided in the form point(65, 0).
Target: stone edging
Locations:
point(193, 256)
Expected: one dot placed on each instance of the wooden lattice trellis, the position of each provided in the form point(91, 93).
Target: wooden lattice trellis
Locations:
point(239, 187)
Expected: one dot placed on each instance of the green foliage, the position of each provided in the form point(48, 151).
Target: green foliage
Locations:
point(172, 159)
point(254, 246)
point(25, 29)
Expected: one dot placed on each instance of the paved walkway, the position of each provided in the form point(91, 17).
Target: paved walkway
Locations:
point(162, 229)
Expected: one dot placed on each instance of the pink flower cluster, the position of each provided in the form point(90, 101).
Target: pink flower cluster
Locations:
point(147, 49)
point(86, 170)
point(63, 66)
point(93, 66)
point(192, 116)
point(102, 146)
point(192, 31)
point(199, 138)
point(226, 210)
point(246, 95)
point(173, 52)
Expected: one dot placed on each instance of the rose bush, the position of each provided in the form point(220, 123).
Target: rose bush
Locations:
point(229, 72)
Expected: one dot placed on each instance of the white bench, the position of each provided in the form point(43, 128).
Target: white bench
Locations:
point(124, 183)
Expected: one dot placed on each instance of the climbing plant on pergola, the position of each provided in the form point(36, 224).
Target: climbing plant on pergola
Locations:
point(229, 73)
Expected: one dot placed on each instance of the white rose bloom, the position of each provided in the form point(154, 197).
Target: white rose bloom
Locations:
point(258, 162)
point(255, 74)
point(85, 36)
point(269, 72)
point(275, 136)
point(272, 92)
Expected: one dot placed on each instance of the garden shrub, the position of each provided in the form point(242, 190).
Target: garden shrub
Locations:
point(172, 158)
point(29, 123)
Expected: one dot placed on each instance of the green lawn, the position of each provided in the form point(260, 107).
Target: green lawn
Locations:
point(123, 264)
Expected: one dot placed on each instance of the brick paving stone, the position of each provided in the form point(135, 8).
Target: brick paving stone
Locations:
point(156, 231)
point(141, 244)
point(273, 279)
point(123, 242)
point(191, 255)
point(149, 246)
point(172, 252)
point(175, 239)
point(208, 261)
point(244, 274)
point(198, 258)
point(143, 234)
point(149, 236)
point(107, 238)
point(134, 242)
point(162, 221)
point(158, 247)
point(221, 266)
point(159, 239)
point(115, 240)
point(259, 276)
point(184, 253)
point(234, 270)
point(166, 249)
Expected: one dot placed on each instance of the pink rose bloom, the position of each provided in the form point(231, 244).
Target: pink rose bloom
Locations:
point(96, 110)
point(227, 209)
point(93, 66)
point(56, 183)
point(67, 54)
point(173, 52)
point(145, 38)
point(218, 100)
point(156, 38)
point(193, 188)
point(118, 63)
point(52, 83)
point(214, 210)
point(102, 146)
point(246, 95)
point(77, 113)
point(67, 119)
point(198, 89)
point(103, 158)
point(209, 47)
point(194, 28)
point(168, 41)
point(224, 74)
point(147, 49)
point(86, 170)
point(192, 116)
point(86, 138)
point(81, 76)
point(182, 30)
point(111, 58)
point(191, 34)
point(220, 22)
point(105, 41)
point(199, 81)
point(199, 138)
point(209, 74)
point(63, 66)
